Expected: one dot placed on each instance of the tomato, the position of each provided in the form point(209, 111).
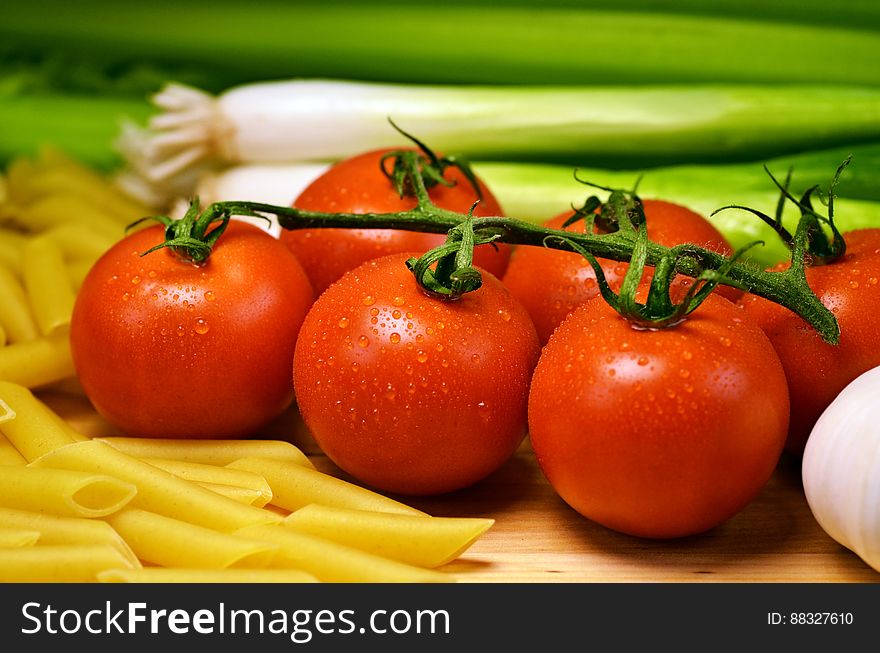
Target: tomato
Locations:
point(658, 433)
point(165, 348)
point(551, 283)
point(817, 372)
point(358, 185)
point(409, 393)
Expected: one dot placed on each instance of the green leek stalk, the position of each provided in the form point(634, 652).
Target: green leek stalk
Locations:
point(83, 127)
point(428, 43)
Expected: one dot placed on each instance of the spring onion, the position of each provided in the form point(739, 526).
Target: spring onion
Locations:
point(607, 126)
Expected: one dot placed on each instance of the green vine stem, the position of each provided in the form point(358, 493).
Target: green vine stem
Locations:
point(788, 288)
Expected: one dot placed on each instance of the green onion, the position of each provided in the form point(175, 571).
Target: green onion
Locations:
point(598, 126)
point(471, 43)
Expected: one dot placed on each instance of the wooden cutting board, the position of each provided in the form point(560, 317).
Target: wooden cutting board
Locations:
point(538, 538)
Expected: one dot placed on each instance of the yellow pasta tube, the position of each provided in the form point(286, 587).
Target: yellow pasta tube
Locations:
point(51, 210)
point(78, 242)
point(13, 538)
point(173, 543)
point(37, 362)
point(8, 454)
point(335, 563)
point(77, 271)
point(28, 423)
point(420, 541)
point(63, 492)
point(15, 311)
point(243, 495)
point(47, 285)
point(166, 575)
point(294, 486)
point(201, 473)
point(66, 530)
point(59, 564)
point(208, 452)
point(158, 491)
point(11, 245)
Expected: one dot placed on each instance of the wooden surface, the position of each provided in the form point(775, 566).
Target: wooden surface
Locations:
point(538, 538)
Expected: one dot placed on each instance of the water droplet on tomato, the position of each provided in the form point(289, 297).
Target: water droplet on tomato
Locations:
point(687, 355)
point(343, 322)
point(439, 347)
point(422, 356)
point(125, 296)
point(683, 373)
point(201, 326)
point(624, 346)
point(398, 301)
point(853, 284)
point(394, 338)
point(872, 281)
point(363, 342)
point(504, 315)
point(152, 274)
point(643, 360)
point(725, 341)
point(209, 295)
point(396, 314)
point(612, 372)
point(135, 279)
point(181, 330)
point(368, 300)
point(475, 359)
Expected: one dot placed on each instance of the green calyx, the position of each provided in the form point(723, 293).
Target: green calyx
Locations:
point(430, 168)
point(192, 237)
point(454, 274)
point(623, 215)
point(810, 241)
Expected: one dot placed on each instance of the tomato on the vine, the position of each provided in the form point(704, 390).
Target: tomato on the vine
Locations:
point(658, 432)
point(358, 185)
point(551, 283)
point(167, 348)
point(817, 371)
point(410, 393)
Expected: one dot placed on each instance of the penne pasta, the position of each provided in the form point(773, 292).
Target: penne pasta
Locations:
point(166, 575)
point(294, 486)
point(37, 362)
point(335, 563)
point(243, 495)
point(420, 541)
point(14, 538)
point(208, 452)
point(66, 530)
point(8, 454)
point(59, 564)
point(11, 245)
point(173, 543)
point(78, 242)
point(15, 311)
point(215, 475)
point(158, 490)
point(48, 286)
point(63, 492)
point(77, 271)
point(28, 424)
point(67, 208)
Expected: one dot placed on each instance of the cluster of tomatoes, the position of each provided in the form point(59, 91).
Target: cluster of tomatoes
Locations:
point(658, 433)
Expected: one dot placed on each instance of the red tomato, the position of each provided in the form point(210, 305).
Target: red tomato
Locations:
point(551, 283)
point(165, 348)
point(658, 433)
point(817, 372)
point(412, 394)
point(357, 185)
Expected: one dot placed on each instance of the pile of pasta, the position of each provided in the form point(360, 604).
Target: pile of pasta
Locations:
point(114, 509)
point(56, 218)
